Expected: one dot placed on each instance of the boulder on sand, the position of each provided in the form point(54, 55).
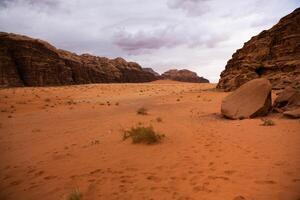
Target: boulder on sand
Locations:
point(293, 113)
point(287, 100)
point(251, 100)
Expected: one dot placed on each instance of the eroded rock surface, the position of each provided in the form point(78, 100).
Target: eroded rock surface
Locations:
point(288, 99)
point(273, 54)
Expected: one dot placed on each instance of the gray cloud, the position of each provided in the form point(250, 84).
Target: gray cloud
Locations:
point(191, 7)
point(197, 34)
point(143, 40)
point(33, 3)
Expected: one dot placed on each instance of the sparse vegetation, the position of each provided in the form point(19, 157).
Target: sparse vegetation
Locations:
point(142, 134)
point(75, 195)
point(94, 142)
point(267, 122)
point(142, 111)
point(159, 119)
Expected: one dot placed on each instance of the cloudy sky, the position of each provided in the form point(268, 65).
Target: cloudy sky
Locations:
point(200, 35)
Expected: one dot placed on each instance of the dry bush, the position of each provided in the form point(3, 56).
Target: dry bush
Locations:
point(142, 134)
point(142, 111)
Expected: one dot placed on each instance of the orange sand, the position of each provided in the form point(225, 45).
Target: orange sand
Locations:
point(55, 139)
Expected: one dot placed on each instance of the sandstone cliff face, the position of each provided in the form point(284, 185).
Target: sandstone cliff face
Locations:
point(184, 76)
point(31, 62)
point(273, 54)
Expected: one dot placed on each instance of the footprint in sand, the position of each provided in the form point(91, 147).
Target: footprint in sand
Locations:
point(239, 198)
point(49, 177)
point(39, 173)
point(229, 172)
point(265, 182)
point(218, 177)
point(18, 182)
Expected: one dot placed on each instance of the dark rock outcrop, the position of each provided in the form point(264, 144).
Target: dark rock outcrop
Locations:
point(273, 54)
point(183, 75)
point(253, 99)
point(287, 101)
point(25, 61)
point(151, 71)
point(292, 113)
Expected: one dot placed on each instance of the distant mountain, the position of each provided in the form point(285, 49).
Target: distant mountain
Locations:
point(273, 54)
point(151, 71)
point(183, 75)
point(25, 61)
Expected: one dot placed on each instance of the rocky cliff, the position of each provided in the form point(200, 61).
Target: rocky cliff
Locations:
point(184, 76)
point(273, 54)
point(26, 61)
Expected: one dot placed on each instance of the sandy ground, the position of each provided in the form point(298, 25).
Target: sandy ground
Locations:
point(55, 139)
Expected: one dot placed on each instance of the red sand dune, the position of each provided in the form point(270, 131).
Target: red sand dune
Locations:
point(55, 139)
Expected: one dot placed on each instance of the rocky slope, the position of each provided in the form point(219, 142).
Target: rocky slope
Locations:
point(26, 61)
point(183, 75)
point(273, 54)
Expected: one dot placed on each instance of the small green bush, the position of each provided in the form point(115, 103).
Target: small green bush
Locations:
point(142, 111)
point(141, 134)
point(267, 122)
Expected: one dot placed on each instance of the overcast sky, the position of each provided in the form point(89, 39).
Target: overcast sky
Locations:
point(200, 35)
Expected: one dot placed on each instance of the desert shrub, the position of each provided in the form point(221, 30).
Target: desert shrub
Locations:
point(267, 122)
point(142, 134)
point(75, 195)
point(159, 119)
point(142, 111)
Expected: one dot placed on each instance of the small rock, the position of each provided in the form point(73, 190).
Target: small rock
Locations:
point(292, 113)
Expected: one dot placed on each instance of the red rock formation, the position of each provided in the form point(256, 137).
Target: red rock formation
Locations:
point(273, 54)
point(287, 100)
point(184, 76)
point(26, 61)
point(151, 71)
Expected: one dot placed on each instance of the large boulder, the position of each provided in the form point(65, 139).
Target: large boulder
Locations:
point(288, 99)
point(273, 54)
point(251, 100)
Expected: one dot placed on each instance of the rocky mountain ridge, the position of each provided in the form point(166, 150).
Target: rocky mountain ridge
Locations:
point(273, 54)
point(25, 61)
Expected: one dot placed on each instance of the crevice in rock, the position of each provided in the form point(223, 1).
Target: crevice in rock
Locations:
point(260, 71)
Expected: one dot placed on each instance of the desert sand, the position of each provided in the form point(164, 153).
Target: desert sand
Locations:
point(56, 139)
